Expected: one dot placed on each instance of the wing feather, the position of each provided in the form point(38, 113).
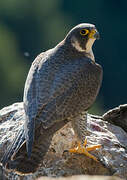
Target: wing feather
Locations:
point(49, 88)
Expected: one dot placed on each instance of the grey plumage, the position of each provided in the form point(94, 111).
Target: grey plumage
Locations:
point(61, 85)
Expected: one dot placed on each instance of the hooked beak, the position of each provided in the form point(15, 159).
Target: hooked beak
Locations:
point(96, 35)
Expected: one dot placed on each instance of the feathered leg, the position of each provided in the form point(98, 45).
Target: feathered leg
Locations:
point(80, 125)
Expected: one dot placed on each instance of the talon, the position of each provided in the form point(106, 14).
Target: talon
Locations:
point(85, 142)
point(94, 147)
point(84, 150)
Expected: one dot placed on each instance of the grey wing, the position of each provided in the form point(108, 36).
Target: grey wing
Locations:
point(30, 106)
point(41, 87)
point(49, 93)
point(33, 100)
point(37, 95)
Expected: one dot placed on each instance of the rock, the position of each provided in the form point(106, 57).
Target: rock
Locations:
point(117, 116)
point(58, 161)
point(81, 177)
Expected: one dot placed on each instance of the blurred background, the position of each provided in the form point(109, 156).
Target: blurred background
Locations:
point(28, 27)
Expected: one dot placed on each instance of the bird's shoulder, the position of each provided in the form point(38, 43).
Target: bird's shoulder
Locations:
point(42, 57)
point(93, 65)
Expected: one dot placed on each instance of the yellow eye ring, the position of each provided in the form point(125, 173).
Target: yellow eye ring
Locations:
point(84, 32)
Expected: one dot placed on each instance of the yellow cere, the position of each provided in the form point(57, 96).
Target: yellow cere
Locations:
point(92, 33)
point(84, 32)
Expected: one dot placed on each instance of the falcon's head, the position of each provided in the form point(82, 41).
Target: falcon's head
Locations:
point(83, 36)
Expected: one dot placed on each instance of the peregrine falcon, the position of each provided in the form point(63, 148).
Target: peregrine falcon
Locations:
point(61, 86)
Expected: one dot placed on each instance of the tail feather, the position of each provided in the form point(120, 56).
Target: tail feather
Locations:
point(14, 147)
point(16, 158)
point(29, 136)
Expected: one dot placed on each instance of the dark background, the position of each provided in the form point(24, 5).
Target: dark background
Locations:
point(28, 27)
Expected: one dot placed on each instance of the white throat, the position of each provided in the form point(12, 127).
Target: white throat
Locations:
point(88, 50)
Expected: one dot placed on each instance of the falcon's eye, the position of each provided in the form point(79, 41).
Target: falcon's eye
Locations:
point(84, 32)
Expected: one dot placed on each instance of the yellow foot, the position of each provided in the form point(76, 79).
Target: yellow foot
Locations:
point(84, 150)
